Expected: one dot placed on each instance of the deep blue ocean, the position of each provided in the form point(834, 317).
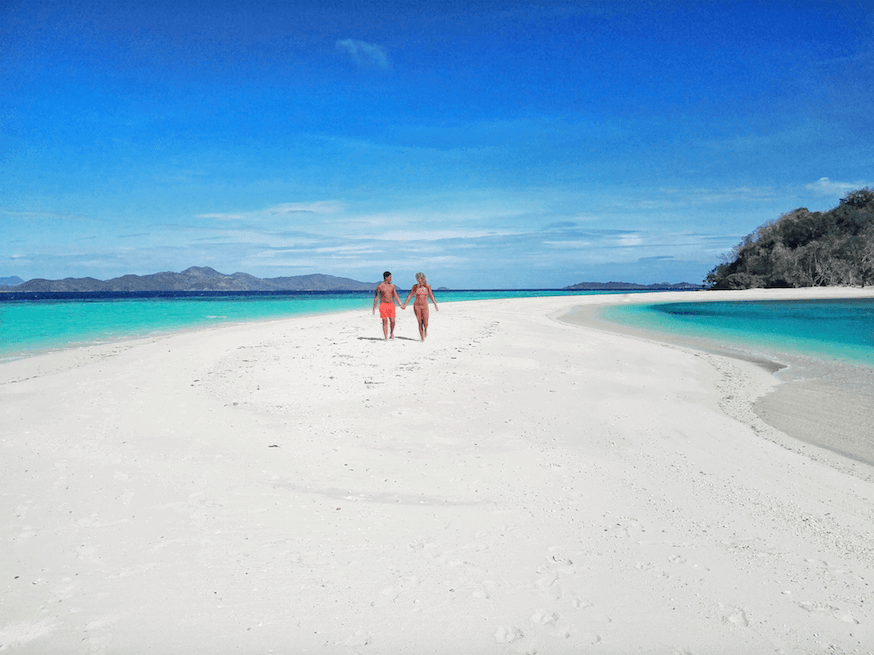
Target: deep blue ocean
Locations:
point(840, 330)
point(33, 323)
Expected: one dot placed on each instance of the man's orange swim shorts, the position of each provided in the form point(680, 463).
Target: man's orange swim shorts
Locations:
point(386, 310)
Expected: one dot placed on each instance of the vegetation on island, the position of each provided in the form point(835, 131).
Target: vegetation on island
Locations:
point(805, 249)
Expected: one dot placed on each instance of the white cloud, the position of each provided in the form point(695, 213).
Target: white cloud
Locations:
point(630, 240)
point(826, 187)
point(364, 54)
point(41, 215)
point(286, 209)
point(568, 245)
point(344, 249)
point(679, 197)
point(321, 207)
point(438, 235)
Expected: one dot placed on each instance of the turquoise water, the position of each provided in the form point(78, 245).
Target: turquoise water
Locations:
point(837, 330)
point(840, 330)
point(28, 327)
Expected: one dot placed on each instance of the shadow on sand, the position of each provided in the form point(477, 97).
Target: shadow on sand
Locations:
point(381, 339)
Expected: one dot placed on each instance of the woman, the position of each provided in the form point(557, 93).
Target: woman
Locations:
point(422, 291)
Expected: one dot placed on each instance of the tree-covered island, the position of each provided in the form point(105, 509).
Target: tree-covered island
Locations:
point(805, 249)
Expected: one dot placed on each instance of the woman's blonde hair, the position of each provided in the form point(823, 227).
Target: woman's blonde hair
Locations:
point(421, 276)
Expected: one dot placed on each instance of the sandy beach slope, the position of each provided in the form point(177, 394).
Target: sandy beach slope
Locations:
point(515, 484)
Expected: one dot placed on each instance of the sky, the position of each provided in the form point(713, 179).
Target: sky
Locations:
point(489, 143)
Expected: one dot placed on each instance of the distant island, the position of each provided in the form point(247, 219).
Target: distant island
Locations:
point(630, 286)
point(204, 278)
point(805, 249)
point(10, 281)
point(196, 278)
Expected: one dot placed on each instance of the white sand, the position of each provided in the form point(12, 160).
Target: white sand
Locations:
point(516, 484)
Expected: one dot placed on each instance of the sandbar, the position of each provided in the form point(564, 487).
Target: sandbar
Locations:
point(822, 401)
point(514, 484)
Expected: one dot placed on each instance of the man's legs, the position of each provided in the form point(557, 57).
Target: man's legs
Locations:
point(387, 313)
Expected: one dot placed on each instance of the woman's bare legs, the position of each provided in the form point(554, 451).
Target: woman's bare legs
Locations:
point(422, 319)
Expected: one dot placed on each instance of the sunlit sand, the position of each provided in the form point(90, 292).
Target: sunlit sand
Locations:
point(514, 484)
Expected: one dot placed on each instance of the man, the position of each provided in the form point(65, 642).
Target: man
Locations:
point(388, 295)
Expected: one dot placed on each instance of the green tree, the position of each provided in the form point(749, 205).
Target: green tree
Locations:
point(803, 248)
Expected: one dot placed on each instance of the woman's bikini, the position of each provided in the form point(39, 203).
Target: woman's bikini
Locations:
point(421, 308)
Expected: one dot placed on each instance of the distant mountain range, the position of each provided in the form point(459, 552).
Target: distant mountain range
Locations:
point(631, 286)
point(196, 278)
point(10, 281)
point(204, 278)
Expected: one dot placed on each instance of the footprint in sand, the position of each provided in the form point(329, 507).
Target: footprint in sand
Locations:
point(125, 497)
point(627, 528)
point(549, 587)
point(358, 639)
point(734, 616)
point(130, 571)
point(542, 617)
point(552, 569)
point(98, 634)
point(507, 634)
point(831, 568)
point(557, 563)
point(28, 534)
point(557, 582)
point(652, 569)
point(87, 553)
point(93, 521)
point(551, 623)
point(481, 590)
point(63, 591)
point(582, 604)
point(401, 586)
point(831, 610)
point(18, 634)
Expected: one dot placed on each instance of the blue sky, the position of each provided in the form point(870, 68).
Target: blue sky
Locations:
point(491, 144)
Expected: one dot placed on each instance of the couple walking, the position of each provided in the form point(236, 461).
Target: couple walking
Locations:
point(386, 294)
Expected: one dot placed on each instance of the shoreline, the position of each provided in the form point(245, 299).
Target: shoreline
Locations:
point(819, 402)
point(514, 484)
point(108, 339)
